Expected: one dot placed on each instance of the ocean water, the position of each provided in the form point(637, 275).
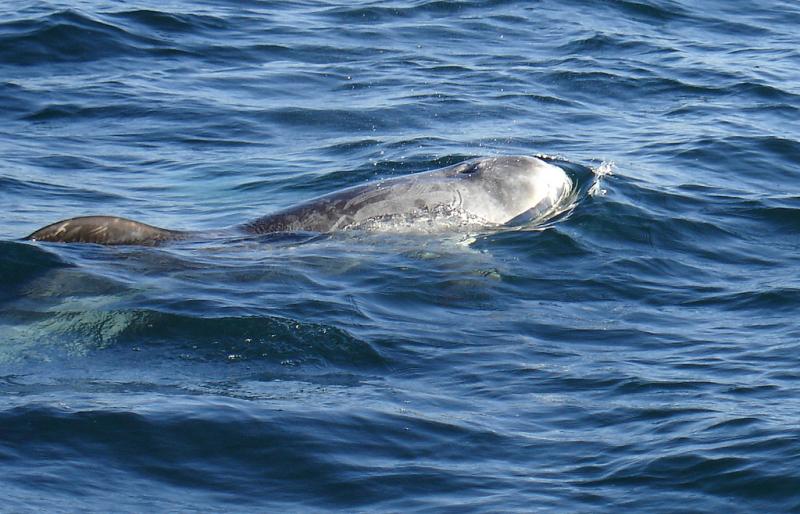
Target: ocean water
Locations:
point(640, 354)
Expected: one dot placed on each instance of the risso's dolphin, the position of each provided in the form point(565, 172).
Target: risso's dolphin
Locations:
point(486, 191)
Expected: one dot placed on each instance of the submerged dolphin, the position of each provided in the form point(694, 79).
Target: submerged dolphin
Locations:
point(487, 191)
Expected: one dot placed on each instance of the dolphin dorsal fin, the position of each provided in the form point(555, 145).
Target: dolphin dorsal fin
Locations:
point(105, 230)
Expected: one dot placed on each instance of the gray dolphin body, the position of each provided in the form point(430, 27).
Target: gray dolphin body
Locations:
point(488, 191)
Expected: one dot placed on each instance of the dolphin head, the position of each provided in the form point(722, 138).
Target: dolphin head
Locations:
point(503, 189)
point(483, 191)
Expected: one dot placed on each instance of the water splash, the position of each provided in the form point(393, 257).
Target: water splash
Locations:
point(605, 169)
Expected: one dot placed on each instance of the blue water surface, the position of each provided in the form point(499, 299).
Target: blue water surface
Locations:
point(642, 354)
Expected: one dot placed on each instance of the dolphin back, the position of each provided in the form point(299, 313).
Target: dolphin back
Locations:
point(105, 230)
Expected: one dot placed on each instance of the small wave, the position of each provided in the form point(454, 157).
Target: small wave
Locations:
point(190, 338)
point(778, 218)
point(775, 155)
point(84, 113)
point(20, 263)
point(430, 8)
point(35, 188)
point(731, 471)
point(65, 36)
point(767, 299)
point(171, 22)
point(608, 43)
point(651, 11)
point(75, 36)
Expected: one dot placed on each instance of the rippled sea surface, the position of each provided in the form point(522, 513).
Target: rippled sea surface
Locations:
point(641, 354)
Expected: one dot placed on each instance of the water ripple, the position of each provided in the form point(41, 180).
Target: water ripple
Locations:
point(636, 351)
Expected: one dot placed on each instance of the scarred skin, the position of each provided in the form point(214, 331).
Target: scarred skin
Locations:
point(494, 190)
point(105, 230)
